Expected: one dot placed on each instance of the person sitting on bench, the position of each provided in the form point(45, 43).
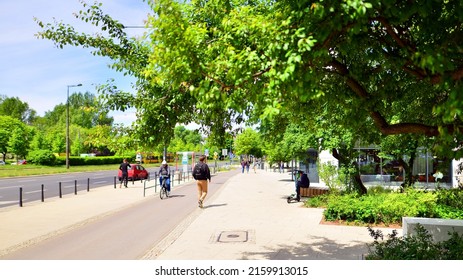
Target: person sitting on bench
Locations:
point(302, 182)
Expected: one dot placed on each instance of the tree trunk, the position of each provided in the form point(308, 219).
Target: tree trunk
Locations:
point(355, 177)
point(408, 167)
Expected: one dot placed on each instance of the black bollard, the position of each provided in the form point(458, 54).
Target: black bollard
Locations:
point(60, 191)
point(75, 187)
point(88, 184)
point(43, 195)
point(20, 197)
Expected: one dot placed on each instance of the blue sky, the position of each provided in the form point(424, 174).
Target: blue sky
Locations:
point(37, 72)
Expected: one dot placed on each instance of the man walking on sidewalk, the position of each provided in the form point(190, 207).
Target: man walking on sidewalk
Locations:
point(201, 173)
point(124, 167)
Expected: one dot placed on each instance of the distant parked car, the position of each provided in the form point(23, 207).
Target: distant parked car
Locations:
point(20, 162)
point(136, 172)
point(2, 162)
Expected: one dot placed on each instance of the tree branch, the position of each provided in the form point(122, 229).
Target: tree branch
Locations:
point(377, 117)
point(390, 30)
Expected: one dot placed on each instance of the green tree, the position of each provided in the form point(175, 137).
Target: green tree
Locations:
point(19, 141)
point(116, 138)
point(14, 136)
point(56, 139)
point(86, 111)
point(14, 107)
point(38, 141)
point(221, 62)
point(249, 143)
point(4, 137)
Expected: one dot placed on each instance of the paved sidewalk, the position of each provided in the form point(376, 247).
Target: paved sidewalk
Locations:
point(250, 219)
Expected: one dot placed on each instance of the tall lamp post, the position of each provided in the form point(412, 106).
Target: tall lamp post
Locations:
point(67, 125)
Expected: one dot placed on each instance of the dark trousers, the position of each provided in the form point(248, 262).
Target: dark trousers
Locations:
point(298, 191)
point(125, 178)
point(167, 182)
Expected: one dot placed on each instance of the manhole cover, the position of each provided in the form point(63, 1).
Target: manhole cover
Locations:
point(233, 236)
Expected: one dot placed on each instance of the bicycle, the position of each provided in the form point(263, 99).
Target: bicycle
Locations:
point(163, 193)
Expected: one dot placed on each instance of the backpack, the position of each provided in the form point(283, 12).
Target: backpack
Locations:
point(164, 170)
point(199, 172)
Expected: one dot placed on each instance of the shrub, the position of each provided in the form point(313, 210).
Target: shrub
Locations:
point(447, 212)
point(76, 161)
point(450, 197)
point(42, 157)
point(318, 201)
point(381, 208)
point(379, 189)
point(331, 176)
point(415, 247)
point(378, 207)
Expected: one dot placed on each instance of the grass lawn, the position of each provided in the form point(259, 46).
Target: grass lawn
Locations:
point(29, 169)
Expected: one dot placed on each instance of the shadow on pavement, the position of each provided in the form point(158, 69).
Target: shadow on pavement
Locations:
point(322, 249)
point(215, 205)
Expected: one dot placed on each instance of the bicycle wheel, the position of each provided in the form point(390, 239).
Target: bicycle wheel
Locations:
point(163, 192)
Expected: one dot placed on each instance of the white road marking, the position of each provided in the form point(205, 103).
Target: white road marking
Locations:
point(35, 191)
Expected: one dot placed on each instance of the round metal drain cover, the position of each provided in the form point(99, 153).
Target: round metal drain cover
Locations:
point(233, 236)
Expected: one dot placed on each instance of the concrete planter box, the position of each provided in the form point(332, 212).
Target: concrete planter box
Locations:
point(438, 228)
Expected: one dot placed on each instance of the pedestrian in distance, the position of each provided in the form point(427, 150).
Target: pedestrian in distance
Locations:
point(124, 167)
point(201, 174)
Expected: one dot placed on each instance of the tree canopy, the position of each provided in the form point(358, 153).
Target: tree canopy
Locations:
point(13, 107)
point(395, 67)
point(249, 143)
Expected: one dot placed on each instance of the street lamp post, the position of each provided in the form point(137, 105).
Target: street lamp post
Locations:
point(67, 124)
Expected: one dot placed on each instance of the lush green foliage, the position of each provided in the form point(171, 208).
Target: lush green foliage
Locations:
point(390, 67)
point(15, 108)
point(450, 197)
point(42, 157)
point(9, 170)
point(249, 143)
point(419, 246)
point(330, 174)
point(77, 161)
point(386, 207)
point(14, 136)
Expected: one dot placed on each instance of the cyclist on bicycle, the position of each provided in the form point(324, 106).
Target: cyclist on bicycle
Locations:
point(164, 173)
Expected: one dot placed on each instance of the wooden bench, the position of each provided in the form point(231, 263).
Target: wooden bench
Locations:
point(312, 192)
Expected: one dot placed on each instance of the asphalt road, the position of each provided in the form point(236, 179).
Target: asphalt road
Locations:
point(127, 234)
point(10, 188)
point(32, 185)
